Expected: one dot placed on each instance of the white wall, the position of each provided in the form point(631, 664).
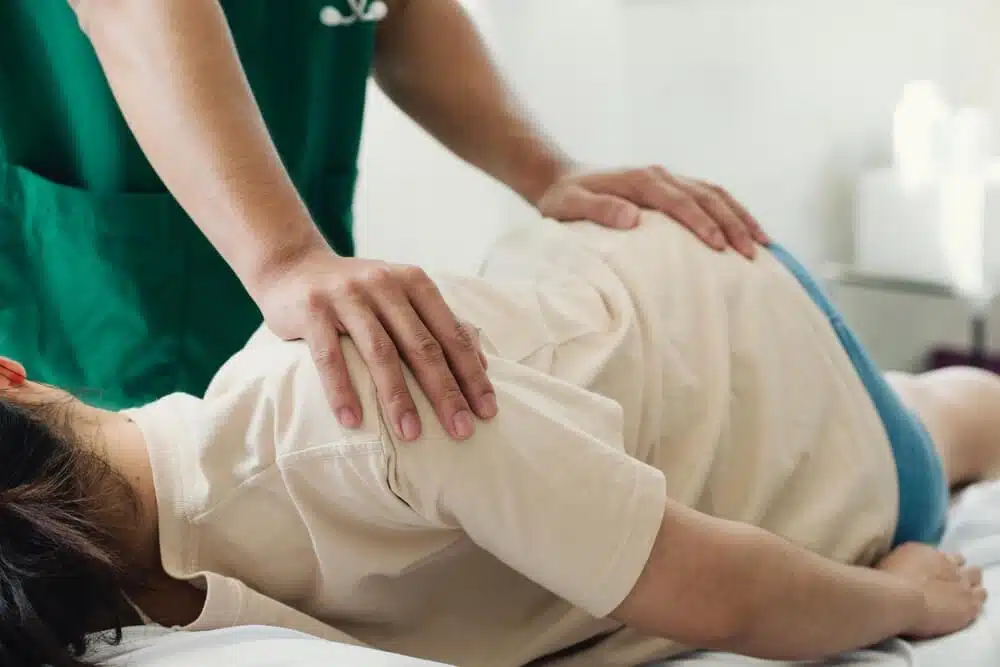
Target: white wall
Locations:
point(416, 203)
point(782, 101)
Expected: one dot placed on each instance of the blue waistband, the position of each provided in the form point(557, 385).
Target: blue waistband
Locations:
point(923, 488)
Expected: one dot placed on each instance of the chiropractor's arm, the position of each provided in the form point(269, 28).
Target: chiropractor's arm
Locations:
point(175, 72)
point(714, 584)
point(433, 64)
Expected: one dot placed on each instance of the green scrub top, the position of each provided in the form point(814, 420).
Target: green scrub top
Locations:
point(106, 286)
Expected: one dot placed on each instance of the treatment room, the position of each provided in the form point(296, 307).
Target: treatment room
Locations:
point(499, 333)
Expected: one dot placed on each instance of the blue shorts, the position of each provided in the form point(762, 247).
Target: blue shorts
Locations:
point(923, 489)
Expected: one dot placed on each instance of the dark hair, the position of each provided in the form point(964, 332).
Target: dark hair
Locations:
point(61, 571)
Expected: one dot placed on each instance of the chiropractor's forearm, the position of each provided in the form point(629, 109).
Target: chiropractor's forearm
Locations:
point(173, 67)
point(714, 584)
point(433, 64)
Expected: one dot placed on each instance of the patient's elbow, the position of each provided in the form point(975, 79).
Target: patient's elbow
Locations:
point(688, 590)
point(709, 625)
point(693, 611)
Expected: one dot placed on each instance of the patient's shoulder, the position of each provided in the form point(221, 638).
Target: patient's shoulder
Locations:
point(264, 336)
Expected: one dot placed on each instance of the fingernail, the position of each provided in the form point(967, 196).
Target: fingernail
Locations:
point(409, 426)
point(348, 417)
point(488, 405)
point(463, 424)
point(627, 218)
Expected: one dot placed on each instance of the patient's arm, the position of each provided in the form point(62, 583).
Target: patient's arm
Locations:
point(719, 585)
point(548, 488)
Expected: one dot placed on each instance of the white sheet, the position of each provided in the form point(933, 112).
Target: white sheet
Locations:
point(248, 646)
point(974, 530)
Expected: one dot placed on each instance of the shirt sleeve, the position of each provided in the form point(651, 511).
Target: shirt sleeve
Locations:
point(546, 486)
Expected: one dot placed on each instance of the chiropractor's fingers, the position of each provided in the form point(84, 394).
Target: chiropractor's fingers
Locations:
point(462, 355)
point(732, 225)
point(651, 188)
point(752, 224)
point(615, 198)
point(393, 314)
point(657, 190)
point(378, 350)
point(474, 332)
point(443, 357)
point(577, 203)
point(323, 338)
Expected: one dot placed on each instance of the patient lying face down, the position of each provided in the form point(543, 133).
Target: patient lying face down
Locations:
point(634, 498)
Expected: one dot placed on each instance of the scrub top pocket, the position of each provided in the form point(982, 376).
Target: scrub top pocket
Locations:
point(101, 295)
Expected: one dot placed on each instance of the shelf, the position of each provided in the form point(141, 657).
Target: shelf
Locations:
point(852, 276)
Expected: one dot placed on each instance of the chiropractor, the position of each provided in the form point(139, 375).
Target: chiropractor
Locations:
point(122, 121)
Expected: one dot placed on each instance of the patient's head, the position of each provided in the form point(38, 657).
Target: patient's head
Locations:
point(60, 571)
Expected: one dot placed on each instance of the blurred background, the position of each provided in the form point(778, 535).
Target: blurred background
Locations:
point(796, 106)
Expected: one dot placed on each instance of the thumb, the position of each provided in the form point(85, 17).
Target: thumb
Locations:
point(579, 204)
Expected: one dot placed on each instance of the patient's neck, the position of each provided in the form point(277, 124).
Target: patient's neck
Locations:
point(114, 438)
point(128, 509)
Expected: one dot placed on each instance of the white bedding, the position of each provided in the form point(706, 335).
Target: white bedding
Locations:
point(974, 530)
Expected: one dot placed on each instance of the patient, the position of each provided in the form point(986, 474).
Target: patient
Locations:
point(691, 452)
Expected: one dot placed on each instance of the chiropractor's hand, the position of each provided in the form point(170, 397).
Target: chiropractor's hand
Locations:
point(615, 199)
point(394, 314)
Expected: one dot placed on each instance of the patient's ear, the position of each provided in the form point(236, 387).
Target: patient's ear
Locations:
point(11, 373)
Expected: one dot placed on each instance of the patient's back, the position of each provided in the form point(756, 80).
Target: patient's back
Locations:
point(731, 380)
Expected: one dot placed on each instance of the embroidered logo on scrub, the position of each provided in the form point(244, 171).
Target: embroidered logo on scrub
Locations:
point(366, 11)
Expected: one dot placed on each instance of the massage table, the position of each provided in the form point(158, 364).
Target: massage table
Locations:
point(974, 530)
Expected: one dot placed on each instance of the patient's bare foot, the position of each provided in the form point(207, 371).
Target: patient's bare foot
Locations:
point(953, 593)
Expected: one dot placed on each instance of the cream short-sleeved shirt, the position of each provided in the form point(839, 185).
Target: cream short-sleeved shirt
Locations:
point(629, 367)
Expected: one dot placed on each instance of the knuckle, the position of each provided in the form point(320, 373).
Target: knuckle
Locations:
point(480, 382)
point(379, 277)
point(382, 349)
point(650, 177)
point(413, 275)
point(351, 289)
point(689, 206)
point(316, 301)
point(398, 397)
point(465, 337)
point(677, 199)
point(706, 199)
point(713, 187)
point(420, 285)
point(641, 181)
point(736, 228)
point(341, 387)
point(428, 351)
point(661, 172)
point(326, 356)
